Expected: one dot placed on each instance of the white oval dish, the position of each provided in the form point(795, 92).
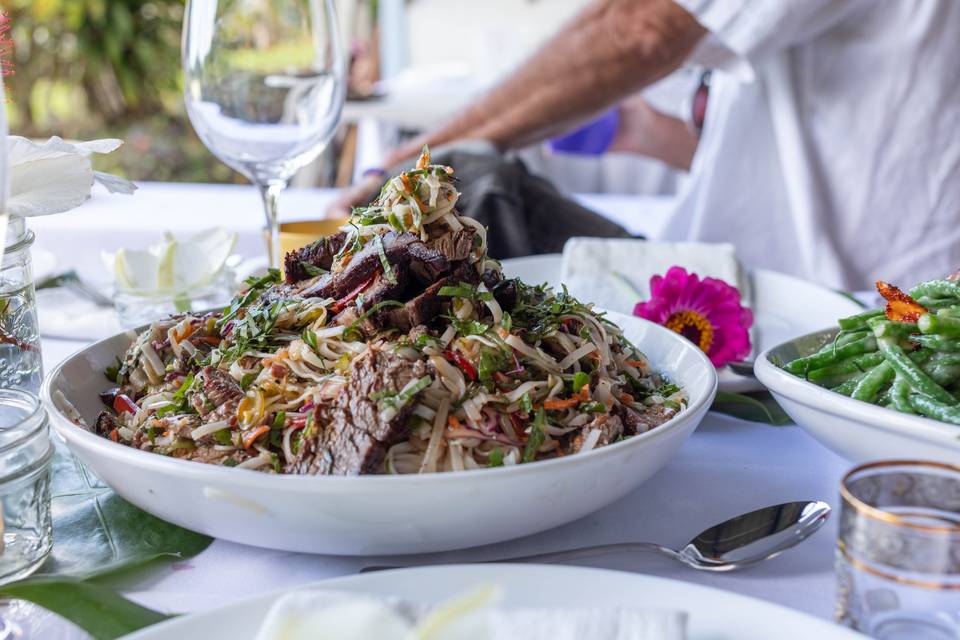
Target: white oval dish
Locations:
point(857, 431)
point(366, 515)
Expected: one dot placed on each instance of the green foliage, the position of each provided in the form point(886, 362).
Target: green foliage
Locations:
point(89, 69)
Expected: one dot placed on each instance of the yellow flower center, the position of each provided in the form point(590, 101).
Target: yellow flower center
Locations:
point(693, 326)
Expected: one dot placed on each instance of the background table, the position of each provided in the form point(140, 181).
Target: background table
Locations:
point(728, 466)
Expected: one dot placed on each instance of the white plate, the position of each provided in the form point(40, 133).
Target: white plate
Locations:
point(713, 614)
point(783, 307)
point(367, 515)
point(857, 431)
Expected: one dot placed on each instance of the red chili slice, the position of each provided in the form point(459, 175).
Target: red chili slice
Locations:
point(123, 404)
point(461, 362)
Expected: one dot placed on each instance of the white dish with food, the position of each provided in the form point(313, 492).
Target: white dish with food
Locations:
point(397, 350)
point(858, 431)
point(379, 514)
point(711, 613)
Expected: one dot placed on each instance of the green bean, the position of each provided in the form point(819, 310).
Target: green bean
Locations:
point(846, 388)
point(933, 409)
point(936, 303)
point(818, 360)
point(940, 325)
point(885, 328)
point(936, 289)
point(938, 343)
point(859, 320)
point(900, 396)
point(854, 364)
point(871, 384)
point(911, 373)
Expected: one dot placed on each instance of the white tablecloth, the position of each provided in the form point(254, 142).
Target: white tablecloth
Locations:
point(727, 467)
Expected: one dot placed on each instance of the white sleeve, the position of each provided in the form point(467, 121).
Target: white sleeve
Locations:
point(744, 31)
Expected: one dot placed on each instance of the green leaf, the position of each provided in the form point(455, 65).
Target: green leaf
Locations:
point(96, 532)
point(536, 437)
point(758, 406)
point(97, 610)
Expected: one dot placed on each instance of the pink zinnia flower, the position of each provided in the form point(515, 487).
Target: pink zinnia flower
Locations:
point(707, 312)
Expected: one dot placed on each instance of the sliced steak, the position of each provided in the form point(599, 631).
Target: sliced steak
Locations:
point(351, 437)
point(456, 245)
point(302, 263)
point(223, 392)
point(399, 248)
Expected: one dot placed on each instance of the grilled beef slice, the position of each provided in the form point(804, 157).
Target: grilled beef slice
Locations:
point(455, 245)
point(399, 248)
point(222, 391)
point(350, 436)
point(610, 426)
point(635, 422)
point(297, 264)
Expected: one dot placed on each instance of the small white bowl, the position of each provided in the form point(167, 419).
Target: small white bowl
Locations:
point(855, 430)
point(378, 514)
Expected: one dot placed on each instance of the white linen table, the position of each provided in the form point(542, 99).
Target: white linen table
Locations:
point(728, 466)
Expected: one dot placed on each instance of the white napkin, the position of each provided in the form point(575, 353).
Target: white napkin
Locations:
point(615, 273)
point(64, 315)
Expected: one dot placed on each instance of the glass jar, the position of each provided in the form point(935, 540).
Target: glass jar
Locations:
point(21, 366)
point(138, 308)
point(25, 455)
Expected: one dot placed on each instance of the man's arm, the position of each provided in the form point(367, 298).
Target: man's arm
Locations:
point(610, 50)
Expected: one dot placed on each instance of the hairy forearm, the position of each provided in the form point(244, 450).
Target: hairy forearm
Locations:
point(610, 50)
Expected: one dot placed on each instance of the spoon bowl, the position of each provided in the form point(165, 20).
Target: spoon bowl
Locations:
point(739, 542)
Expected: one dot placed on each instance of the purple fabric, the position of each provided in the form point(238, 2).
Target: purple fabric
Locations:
point(592, 139)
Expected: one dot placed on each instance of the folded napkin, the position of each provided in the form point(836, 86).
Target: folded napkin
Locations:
point(317, 615)
point(66, 316)
point(614, 273)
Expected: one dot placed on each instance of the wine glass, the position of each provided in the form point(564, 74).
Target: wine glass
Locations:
point(264, 85)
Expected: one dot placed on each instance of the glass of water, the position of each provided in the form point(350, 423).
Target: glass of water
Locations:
point(264, 82)
point(898, 551)
point(25, 455)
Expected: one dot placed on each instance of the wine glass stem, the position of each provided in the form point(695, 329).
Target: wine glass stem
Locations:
point(271, 209)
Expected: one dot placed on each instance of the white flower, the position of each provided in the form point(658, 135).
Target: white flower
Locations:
point(55, 176)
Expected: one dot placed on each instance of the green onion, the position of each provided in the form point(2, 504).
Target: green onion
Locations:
point(536, 437)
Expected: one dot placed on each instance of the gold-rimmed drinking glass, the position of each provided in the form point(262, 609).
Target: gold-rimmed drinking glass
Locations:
point(898, 551)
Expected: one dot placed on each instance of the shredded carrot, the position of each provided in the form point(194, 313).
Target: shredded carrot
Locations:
point(211, 340)
point(250, 437)
point(115, 435)
point(453, 423)
point(554, 404)
point(639, 364)
point(626, 398)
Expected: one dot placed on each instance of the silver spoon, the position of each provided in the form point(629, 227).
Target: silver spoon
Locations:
point(739, 542)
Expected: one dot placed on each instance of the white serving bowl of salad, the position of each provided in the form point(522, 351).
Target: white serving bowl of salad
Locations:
point(378, 514)
point(855, 430)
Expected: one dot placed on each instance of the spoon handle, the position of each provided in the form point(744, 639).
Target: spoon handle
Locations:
point(555, 556)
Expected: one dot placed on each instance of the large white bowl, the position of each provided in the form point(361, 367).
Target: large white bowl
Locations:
point(857, 431)
point(380, 514)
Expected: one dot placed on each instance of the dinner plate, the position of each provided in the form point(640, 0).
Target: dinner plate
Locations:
point(857, 431)
point(713, 614)
point(379, 514)
point(783, 307)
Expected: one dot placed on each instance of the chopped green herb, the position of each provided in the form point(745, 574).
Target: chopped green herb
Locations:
point(580, 380)
point(387, 269)
point(247, 380)
point(255, 286)
point(180, 402)
point(229, 462)
point(396, 401)
point(113, 372)
point(464, 290)
point(312, 270)
point(310, 338)
point(496, 458)
point(424, 340)
point(593, 407)
point(223, 436)
point(469, 327)
point(352, 332)
point(525, 404)
point(491, 361)
point(536, 437)
point(276, 430)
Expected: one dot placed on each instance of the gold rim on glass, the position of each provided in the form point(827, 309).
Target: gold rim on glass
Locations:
point(883, 516)
point(860, 565)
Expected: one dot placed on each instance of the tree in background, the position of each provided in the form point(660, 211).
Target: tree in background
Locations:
point(107, 68)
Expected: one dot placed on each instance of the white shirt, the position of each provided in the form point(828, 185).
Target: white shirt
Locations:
point(831, 148)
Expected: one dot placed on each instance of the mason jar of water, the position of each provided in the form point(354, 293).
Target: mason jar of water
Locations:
point(25, 455)
point(20, 363)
